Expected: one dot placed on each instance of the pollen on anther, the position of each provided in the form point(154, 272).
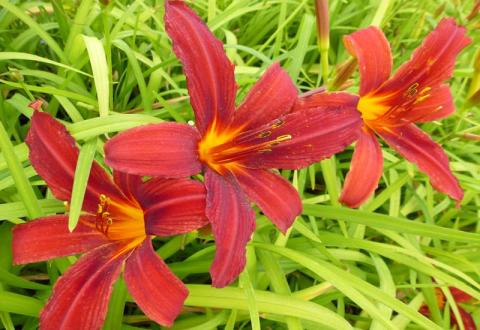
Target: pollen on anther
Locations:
point(277, 123)
point(264, 151)
point(283, 138)
point(264, 134)
point(412, 90)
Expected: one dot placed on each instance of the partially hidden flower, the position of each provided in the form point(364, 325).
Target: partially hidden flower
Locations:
point(236, 148)
point(460, 297)
point(115, 230)
point(391, 107)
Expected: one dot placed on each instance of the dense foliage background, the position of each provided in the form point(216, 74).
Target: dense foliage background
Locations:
point(371, 268)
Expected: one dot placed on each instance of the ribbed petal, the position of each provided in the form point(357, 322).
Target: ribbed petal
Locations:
point(272, 96)
point(437, 106)
point(128, 183)
point(49, 237)
point(172, 206)
point(417, 147)
point(54, 155)
point(166, 149)
point(307, 136)
point(210, 75)
point(80, 297)
point(365, 170)
point(322, 99)
point(431, 63)
point(155, 289)
point(467, 320)
point(233, 222)
point(372, 51)
point(274, 195)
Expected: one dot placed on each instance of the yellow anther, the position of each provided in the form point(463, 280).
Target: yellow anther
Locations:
point(105, 215)
point(264, 151)
point(283, 138)
point(426, 89)
point(100, 209)
point(421, 98)
point(264, 134)
point(67, 206)
point(277, 123)
point(109, 221)
point(103, 199)
point(412, 90)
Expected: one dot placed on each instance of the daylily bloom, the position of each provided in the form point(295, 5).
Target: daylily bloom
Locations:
point(120, 217)
point(460, 297)
point(390, 107)
point(236, 148)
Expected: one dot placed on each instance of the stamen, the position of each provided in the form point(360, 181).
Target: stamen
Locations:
point(264, 151)
point(421, 98)
point(103, 220)
point(283, 138)
point(412, 90)
point(67, 206)
point(264, 134)
point(423, 91)
point(277, 123)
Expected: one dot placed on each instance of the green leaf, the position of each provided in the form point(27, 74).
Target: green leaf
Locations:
point(100, 72)
point(82, 173)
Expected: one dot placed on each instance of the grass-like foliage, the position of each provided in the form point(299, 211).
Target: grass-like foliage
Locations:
point(102, 69)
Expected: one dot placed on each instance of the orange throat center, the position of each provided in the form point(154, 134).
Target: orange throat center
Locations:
point(227, 149)
point(120, 221)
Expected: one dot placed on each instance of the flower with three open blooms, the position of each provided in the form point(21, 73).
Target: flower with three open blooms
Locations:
point(236, 148)
point(390, 107)
point(460, 297)
point(115, 230)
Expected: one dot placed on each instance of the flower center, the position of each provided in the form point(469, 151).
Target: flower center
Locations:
point(392, 109)
point(120, 221)
point(225, 150)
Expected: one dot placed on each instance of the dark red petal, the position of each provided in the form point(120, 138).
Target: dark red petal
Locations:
point(233, 222)
point(80, 297)
point(308, 136)
point(365, 170)
point(467, 319)
point(372, 51)
point(432, 62)
point(417, 147)
point(54, 155)
point(172, 206)
point(153, 286)
point(210, 75)
point(323, 99)
point(437, 106)
point(272, 96)
point(274, 195)
point(49, 237)
point(166, 149)
point(128, 183)
point(459, 295)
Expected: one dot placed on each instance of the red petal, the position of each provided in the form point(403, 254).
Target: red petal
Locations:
point(372, 51)
point(459, 295)
point(155, 289)
point(365, 170)
point(210, 75)
point(128, 183)
point(272, 96)
point(274, 195)
point(316, 133)
point(48, 238)
point(432, 62)
point(439, 105)
point(54, 155)
point(323, 99)
point(233, 222)
point(417, 147)
point(467, 319)
point(167, 149)
point(172, 206)
point(80, 297)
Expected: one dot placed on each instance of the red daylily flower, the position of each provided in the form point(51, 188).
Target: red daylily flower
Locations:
point(236, 148)
point(120, 217)
point(460, 297)
point(390, 107)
